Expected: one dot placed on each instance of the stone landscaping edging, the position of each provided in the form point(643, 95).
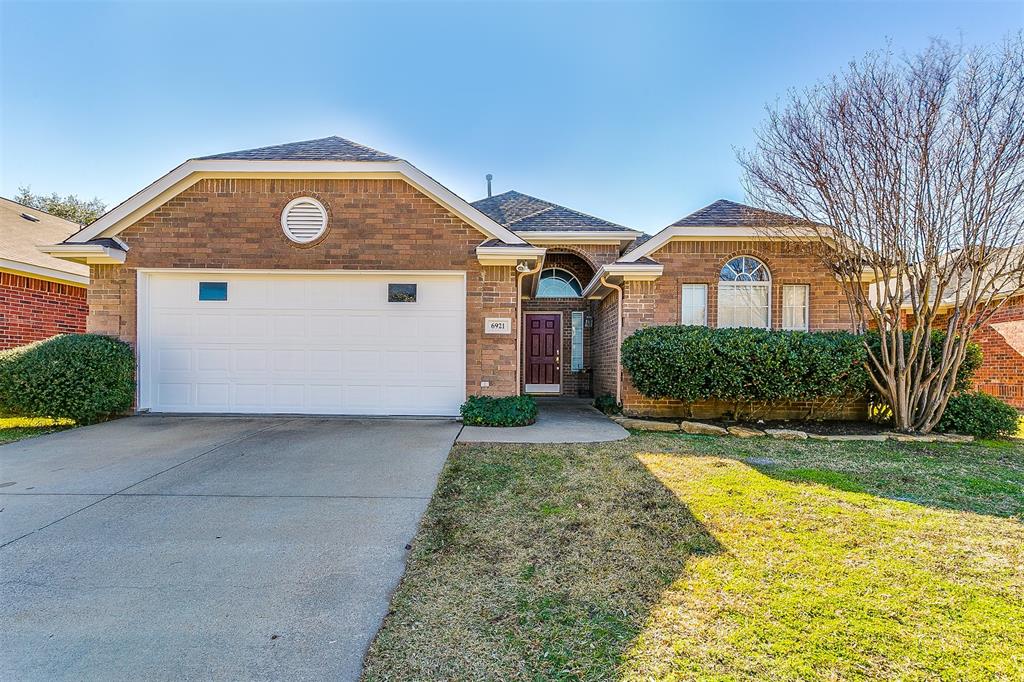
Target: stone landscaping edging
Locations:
point(702, 429)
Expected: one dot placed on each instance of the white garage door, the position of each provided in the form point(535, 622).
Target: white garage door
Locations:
point(302, 343)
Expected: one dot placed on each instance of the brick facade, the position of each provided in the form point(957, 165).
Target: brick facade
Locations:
point(1002, 344)
point(34, 309)
point(374, 224)
point(654, 303)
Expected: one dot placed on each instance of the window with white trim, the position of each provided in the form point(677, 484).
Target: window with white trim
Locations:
point(695, 304)
point(558, 283)
point(744, 294)
point(577, 340)
point(795, 308)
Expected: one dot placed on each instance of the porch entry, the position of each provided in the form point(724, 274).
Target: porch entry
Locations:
point(543, 353)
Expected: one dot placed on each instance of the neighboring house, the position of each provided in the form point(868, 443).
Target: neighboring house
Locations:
point(1001, 339)
point(327, 277)
point(40, 295)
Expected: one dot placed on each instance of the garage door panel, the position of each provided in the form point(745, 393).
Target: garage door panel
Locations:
point(303, 343)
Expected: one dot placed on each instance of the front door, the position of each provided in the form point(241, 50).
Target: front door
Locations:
point(543, 353)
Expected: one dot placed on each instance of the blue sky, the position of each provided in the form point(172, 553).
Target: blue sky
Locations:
point(627, 111)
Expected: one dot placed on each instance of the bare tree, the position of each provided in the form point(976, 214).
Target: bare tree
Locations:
point(910, 171)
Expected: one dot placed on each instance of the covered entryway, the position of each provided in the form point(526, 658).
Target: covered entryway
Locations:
point(376, 343)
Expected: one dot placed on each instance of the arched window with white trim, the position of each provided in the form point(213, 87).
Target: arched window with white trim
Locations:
point(745, 294)
point(558, 283)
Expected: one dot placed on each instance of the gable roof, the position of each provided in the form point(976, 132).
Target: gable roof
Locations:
point(522, 213)
point(723, 220)
point(23, 230)
point(324, 157)
point(323, 149)
point(725, 213)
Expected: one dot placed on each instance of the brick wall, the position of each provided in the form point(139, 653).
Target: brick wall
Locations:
point(379, 224)
point(1002, 343)
point(604, 346)
point(648, 304)
point(35, 309)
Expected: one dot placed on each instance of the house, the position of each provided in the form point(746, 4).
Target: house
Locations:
point(40, 295)
point(1001, 338)
point(327, 277)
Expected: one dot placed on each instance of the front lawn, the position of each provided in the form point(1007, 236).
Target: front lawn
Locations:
point(682, 557)
point(17, 428)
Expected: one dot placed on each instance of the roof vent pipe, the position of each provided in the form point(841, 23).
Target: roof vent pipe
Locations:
point(489, 178)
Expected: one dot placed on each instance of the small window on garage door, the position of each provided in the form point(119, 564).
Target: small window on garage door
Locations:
point(213, 291)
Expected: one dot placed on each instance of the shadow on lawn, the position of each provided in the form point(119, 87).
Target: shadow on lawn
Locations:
point(985, 477)
point(553, 559)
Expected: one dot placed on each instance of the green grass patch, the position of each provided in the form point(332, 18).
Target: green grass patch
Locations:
point(18, 428)
point(667, 557)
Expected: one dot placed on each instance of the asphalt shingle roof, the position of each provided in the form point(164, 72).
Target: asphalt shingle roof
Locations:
point(24, 229)
point(324, 149)
point(523, 213)
point(725, 213)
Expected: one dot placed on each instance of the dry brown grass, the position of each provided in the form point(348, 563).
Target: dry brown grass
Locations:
point(660, 557)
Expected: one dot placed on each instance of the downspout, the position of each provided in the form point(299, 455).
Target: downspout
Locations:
point(618, 339)
point(519, 321)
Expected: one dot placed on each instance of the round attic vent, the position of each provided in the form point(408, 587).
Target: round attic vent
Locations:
point(304, 220)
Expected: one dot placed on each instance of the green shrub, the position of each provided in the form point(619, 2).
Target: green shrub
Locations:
point(980, 415)
point(744, 365)
point(84, 377)
point(515, 410)
point(607, 404)
point(973, 357)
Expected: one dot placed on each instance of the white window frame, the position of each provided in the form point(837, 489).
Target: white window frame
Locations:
point(577, 325)
point(562, 275)
point(807, 307)
point(735, 284)
point(682, 302)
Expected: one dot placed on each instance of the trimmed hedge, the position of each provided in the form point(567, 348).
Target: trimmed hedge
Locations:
point(980, 415)
point(744, 365)
point(84, 377)
point(516, 410)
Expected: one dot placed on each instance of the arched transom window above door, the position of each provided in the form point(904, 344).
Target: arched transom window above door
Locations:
point(558, 283)
point(744, 294)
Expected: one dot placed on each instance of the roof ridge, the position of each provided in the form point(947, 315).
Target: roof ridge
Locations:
point(549, 207)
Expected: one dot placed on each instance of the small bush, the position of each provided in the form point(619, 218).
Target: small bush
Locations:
point(980, 415)
point(607, 404)
point(744, 365)
point(516, 410)
point(84, 377)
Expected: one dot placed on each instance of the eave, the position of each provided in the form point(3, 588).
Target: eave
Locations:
point(721, 234)
point(578, 236)
point(508, 255)
point(41, 272)
point(619, 272)
point(90, 254)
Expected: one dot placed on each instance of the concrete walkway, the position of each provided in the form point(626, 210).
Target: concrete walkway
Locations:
point(559, 420)
point(213, 548)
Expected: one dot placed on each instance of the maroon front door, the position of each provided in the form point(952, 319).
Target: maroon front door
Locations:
point(543, 346)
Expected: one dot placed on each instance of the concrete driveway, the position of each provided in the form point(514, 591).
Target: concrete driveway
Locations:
point(207, 547)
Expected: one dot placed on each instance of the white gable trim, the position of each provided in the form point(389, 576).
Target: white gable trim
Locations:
point(190, 172)
point(90, 254)
point(717, 234)
point(41, 272)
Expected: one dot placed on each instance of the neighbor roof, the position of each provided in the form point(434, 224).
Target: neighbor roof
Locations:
point(725, 213)
point(22, 230)
point(324, 149)
point(522, 213)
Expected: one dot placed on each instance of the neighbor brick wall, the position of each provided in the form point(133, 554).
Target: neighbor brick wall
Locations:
point(648, 304)
point(1002, 344)
point(34, 309)
point(373, 225)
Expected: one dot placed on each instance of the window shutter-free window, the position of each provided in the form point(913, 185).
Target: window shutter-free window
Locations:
point(744, 294)
point(577, 341)
point(795, 298)
point(695, 304)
